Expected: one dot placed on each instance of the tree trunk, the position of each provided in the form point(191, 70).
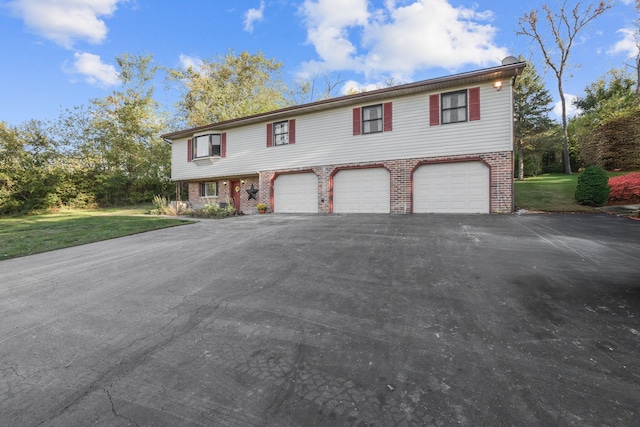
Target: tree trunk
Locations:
point(520, 162)
point(638, 66)
point(565, 128)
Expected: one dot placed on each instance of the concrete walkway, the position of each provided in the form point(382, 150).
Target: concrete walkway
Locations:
point(284, 320)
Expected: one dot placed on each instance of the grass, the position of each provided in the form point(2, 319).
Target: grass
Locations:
point(554, 192)
point(32, 234)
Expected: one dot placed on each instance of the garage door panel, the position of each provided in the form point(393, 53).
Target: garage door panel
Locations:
point(451, 187)
point(296, 193)
point(362, 190)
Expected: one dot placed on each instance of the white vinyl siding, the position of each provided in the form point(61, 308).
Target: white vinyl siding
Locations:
point(362, 191)
point(326, 138)
point(451, 188)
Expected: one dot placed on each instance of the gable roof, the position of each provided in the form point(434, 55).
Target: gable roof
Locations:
point(501, 72)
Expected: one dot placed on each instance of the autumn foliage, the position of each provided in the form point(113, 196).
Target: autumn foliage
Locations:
point(625, 189)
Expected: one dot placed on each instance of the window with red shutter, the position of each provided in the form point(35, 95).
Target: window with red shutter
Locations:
point(269, 134)
point(474, 103)
point(223, 145)
point(434, 110)
point(356, 121)
point(292, 131)
point(388, 116)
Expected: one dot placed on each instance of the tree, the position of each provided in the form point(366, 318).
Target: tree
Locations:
point(228, 87)
point(607, 131)
point(531, 109)
point(30, 168)
point(611, 92)
point(130, 162)
point(637, 67)
point(311, 89)
point(564, 27)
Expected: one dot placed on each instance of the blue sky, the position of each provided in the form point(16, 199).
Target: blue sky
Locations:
point(61, 53)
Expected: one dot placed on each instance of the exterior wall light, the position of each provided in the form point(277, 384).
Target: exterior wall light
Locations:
point(497, 85)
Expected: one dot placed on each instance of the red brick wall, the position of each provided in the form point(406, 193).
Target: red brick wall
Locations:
point(501, 180)
point(247, 206)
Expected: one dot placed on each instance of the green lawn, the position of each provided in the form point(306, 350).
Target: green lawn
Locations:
point(549, 193)
point(33, 234)
point(553, 192)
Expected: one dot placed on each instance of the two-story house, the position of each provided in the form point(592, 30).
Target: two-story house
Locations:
point(439, 145)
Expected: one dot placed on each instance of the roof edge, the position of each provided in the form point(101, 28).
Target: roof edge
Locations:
point(438, 83)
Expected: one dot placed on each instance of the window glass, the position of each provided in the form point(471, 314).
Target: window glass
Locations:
point(215, 145)
point(454, 107)
point(202, 146)
point(372, 119)
point(207, 145)
point(281, 133)
point(209, 189)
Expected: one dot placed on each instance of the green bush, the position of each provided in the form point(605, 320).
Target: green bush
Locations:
point(593, 187)
point(213, 211)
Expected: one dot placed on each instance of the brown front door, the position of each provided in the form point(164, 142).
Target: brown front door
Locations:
point(235, 194)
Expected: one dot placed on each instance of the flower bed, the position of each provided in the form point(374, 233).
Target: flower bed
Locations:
point(625, 189)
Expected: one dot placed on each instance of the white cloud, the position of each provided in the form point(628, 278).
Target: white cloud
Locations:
point(253, 15)
point(187, 61)
point(572, 110)
point(629, 43)
point(399, 39)
point(93, 70)
point(65, 21)
point(328, 23)
point(352, 86)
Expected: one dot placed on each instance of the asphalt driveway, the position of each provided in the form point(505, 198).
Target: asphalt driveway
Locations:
point(283, 320)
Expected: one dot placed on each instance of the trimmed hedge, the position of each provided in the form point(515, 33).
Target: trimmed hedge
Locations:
point(593, 187)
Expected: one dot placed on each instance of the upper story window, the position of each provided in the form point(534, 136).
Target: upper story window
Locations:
point(372, 119)
point(281, 133)
point(206, 145)
point(454, 107)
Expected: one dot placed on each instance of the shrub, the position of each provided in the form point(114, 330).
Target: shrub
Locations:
point(162, 206)
point(593, 187)
point(213, 211)
point(625, 189)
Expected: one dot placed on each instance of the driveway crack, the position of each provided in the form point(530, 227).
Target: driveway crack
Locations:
point(113, 409)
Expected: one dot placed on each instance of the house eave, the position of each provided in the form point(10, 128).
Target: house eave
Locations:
point(502, 72)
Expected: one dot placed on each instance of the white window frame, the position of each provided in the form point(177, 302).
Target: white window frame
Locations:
point(207, 145)
point(209, 187)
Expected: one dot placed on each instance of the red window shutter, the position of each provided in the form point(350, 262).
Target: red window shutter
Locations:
point(356, 121)
point(223, 144)
point(434, 110)
point(189, 150)
point(269, 134)
point(387, 114)
point(474, 103)
point(292, 131)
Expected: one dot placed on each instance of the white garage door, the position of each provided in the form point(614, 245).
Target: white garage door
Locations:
point(296, 193)
point(451, 188)
point(362, 190)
